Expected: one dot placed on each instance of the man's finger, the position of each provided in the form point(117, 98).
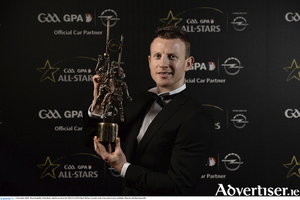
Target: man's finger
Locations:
point(99, 148)
point(109, 147)
point(118, 143)
point(95, 143)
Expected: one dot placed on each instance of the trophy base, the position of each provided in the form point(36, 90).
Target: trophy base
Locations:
point(107, 132)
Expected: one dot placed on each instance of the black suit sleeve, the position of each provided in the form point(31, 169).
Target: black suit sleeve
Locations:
point(189, 155)
point(89, 129)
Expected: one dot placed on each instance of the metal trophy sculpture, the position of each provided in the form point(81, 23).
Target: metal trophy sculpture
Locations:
point(111, 89)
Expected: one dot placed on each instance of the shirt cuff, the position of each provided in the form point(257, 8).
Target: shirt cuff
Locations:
point(124, 169)
point(91, 114)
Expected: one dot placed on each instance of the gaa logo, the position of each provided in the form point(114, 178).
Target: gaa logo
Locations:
point(292, 17)
point(49, 114)
point(48, 18)
point(42, 17)
point(290, 113)
point(69, 71)
point(54, 114)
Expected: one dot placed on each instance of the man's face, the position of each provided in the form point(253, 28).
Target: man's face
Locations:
point(168, 64)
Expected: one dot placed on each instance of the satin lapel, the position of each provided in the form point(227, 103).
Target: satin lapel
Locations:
point(131, 141)
point(160, 119)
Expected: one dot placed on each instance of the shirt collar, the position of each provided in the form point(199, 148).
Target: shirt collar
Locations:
point(180, 89)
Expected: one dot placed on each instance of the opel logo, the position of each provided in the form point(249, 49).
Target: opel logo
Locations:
point(232, 66)
point(232, 162)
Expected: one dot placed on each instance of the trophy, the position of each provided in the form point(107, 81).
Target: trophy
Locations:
point(111, 89)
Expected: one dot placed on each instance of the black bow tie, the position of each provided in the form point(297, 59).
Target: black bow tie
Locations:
point(160, 99)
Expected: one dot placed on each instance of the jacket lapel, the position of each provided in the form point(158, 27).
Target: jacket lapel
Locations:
point(168, 110)
point(136, 120)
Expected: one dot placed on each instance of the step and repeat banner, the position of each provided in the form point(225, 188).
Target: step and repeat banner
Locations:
point(246, 73)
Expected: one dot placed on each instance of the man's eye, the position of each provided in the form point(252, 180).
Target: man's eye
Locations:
point(157, 56)
point(172, 57)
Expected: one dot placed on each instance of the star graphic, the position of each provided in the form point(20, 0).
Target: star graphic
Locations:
point(294, 167)
point(294, 70)
point(48, 72)
point(170, 19)
point(48, 168)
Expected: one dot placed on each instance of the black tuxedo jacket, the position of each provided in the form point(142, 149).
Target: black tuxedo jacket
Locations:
point(172, 154)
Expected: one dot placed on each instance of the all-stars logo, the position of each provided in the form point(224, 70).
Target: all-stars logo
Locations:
point(70, 166)
point(68, 70)
point(294, 71)
point(198, 24)
point(48, 168)
point(48, 72)
point(170, 19)
point(294, 168)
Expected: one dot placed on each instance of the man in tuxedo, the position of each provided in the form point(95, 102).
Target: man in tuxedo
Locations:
point(168, 135)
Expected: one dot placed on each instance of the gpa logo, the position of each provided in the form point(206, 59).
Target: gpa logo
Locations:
point(88, 18)
point(207, 21)
point(78, 18)
point(53, 18)
point(210, 66)
point(211, 161)
point(54, 114)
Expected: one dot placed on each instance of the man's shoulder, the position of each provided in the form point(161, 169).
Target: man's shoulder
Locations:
point(194, 104)
point(190, 98)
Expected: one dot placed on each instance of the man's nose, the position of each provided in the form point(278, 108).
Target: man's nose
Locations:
point(164, 62)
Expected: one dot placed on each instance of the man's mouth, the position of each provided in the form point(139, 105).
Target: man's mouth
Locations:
point(165, 73)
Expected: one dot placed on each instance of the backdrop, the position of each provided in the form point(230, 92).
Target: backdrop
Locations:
point(246, 73)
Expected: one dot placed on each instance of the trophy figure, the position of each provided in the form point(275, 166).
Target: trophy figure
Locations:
point(111, 89)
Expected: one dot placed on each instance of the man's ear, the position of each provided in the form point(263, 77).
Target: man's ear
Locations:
point(189, 62)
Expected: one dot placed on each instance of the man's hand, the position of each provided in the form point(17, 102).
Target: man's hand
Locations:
point(115, 159)
point(97, 82)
